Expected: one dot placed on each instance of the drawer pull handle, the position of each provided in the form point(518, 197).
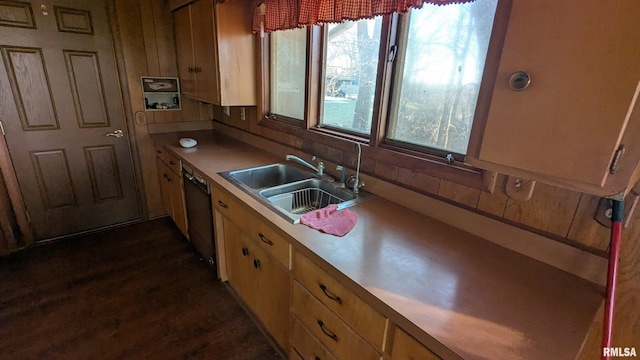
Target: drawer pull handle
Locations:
point(222, 205)
point(330, 334)
point(171, 162)
point(256, 263)
point(328, 294)
point(159, 151)
point(245, 251)
point(265, 240)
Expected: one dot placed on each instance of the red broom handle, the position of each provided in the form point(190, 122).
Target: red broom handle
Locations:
point(612, 275)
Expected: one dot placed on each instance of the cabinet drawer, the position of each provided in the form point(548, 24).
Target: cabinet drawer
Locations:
point(304, 345)
point(363, 318)
point(228, 206)
point(270, 241)
point(328, 328)
point(406, 347)
point(172, 162)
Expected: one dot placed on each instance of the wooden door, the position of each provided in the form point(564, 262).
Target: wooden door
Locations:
point(59, 98)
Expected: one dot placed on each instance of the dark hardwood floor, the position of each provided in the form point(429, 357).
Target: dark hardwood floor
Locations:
point(136, 292)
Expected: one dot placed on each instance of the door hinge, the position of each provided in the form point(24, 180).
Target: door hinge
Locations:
point(2, 128)
point(617, 157)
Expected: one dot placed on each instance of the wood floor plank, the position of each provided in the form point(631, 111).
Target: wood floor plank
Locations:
point(134, 292)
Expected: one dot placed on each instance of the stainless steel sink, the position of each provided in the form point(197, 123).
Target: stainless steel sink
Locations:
point(298, 198)
point(269, 175)
point(289, 191)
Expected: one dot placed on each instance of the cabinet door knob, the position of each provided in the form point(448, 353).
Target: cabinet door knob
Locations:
point(222, 205)
point(519, 80)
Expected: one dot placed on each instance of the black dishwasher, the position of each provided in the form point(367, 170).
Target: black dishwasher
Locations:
point(197, 193)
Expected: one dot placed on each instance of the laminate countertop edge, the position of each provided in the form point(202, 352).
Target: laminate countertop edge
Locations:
point(461, 295)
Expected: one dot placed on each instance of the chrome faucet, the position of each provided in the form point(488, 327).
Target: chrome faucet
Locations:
point(343, 175)
point(357, 184)
point(319, 170)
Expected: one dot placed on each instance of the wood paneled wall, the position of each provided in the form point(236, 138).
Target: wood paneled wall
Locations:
point(145, 44)
point(562, 215)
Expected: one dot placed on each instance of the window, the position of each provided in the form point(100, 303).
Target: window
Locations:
point(437, 76)
point(351, 64)
point(407, 82)
point(288, 72)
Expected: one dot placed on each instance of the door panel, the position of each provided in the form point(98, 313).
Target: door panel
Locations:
point(85, 79)
point(30, 87)
point(16, 14)
point(59, 97)
point(54, 179)
point(103, 172)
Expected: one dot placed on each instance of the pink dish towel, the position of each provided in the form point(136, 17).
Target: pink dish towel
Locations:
point(330, 220)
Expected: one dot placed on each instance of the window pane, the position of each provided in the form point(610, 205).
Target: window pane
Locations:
point(288, 72)
point(438, 76)
point(351, 66)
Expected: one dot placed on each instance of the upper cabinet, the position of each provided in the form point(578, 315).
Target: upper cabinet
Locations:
point(216, 52)
point(564, 107)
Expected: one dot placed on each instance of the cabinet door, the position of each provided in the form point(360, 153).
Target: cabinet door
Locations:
point(184, 50)
point(165, 188)
point(407, 348)
point(584, 71)
point(239, 264)
point(272, 300)
point(178, 208)
point(172, 195)
point(205, 51)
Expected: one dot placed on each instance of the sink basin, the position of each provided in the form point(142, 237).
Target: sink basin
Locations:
point(290, 191)
point(269, 175)
point(298, 198)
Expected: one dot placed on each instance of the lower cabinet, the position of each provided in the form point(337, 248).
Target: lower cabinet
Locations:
point(261, 281)
point(406, 347)
point(172, 194)
point(334, 316)
point(309, 313)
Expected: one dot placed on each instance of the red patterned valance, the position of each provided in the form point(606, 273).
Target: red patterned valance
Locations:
point(290, 14)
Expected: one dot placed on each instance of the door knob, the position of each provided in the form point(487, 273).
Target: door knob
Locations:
point(118, 133)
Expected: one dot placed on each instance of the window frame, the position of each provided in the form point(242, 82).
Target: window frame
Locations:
point(431, 162)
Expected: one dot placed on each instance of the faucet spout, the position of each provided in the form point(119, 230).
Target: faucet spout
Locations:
point(302, 162)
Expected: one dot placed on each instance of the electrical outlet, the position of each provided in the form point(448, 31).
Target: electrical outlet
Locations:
point(243, 114)
point(227, 110)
